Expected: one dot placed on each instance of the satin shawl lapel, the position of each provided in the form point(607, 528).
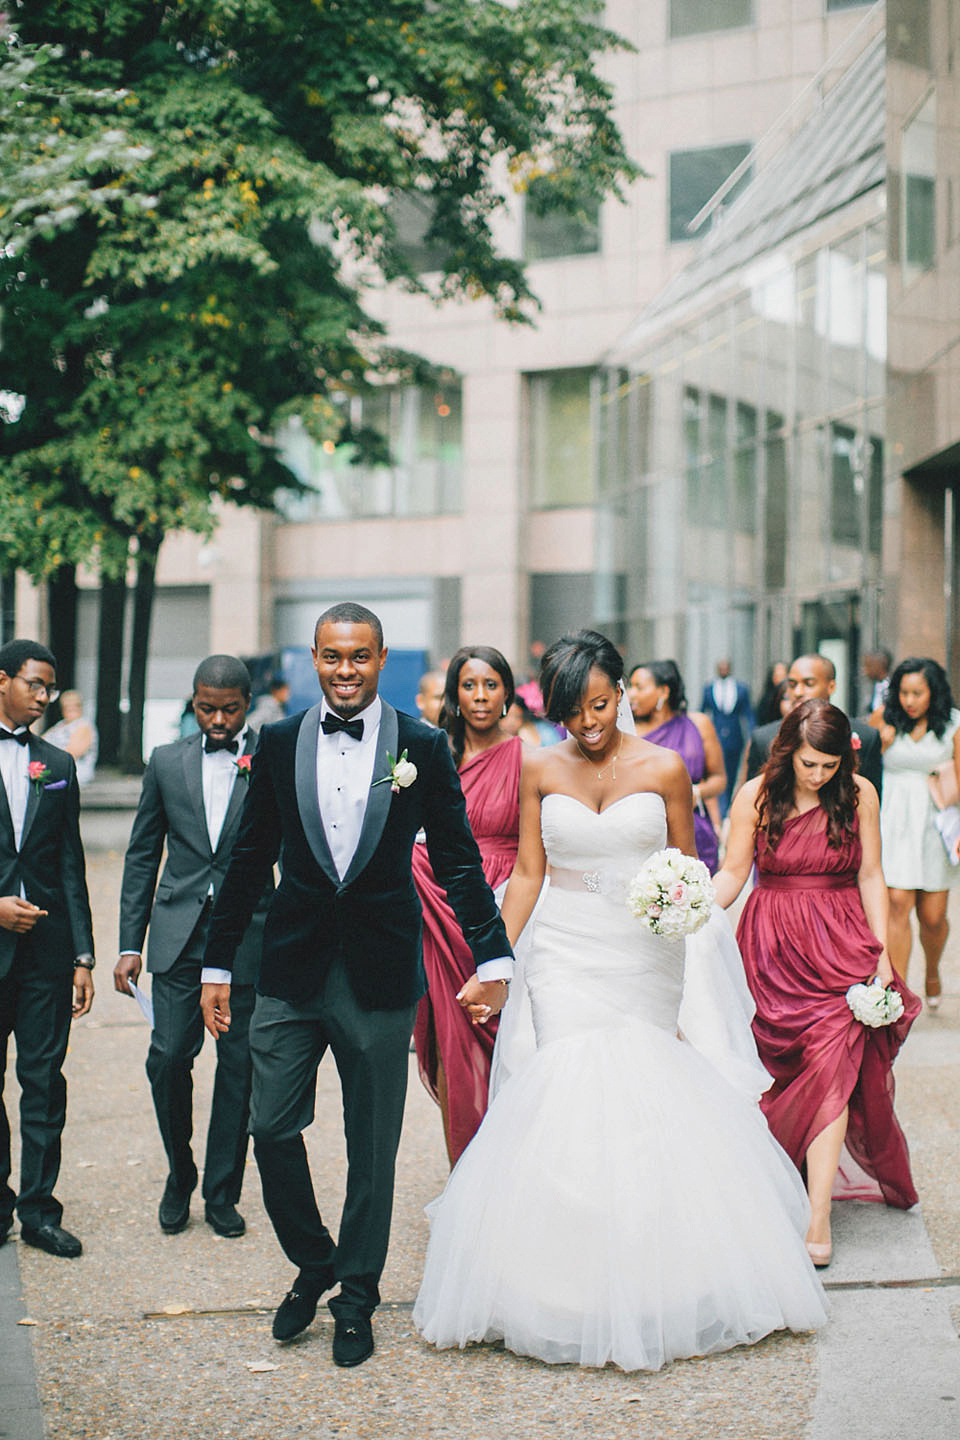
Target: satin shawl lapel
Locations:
point(33, 796)
point(192, 761)
point(305, 779)
point(237, 796)
point(378, 801)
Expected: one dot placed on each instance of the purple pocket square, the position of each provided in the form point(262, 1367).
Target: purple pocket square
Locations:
point(56, 785)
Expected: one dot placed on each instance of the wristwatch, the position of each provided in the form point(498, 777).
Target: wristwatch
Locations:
point(84, 962)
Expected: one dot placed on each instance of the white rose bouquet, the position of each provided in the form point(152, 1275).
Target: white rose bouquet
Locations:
point(672, 894)
point(874, 1004)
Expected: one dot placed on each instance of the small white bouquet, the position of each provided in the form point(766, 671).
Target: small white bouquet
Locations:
point(672, 894)
point(874, 1004)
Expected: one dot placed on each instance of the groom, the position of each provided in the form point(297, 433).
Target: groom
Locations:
point(342, 789)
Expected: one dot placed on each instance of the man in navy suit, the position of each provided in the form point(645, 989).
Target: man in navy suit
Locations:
point(342, 790)
point(190, 802)
point(46, 940)
point(727, 702)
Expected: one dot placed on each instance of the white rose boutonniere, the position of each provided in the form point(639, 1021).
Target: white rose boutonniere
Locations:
point(403, 772)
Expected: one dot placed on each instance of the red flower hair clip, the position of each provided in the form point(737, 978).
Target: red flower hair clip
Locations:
point(855, 742)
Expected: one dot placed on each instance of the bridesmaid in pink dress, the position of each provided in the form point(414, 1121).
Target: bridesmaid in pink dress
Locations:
point(815, 924)
point(453, 1053)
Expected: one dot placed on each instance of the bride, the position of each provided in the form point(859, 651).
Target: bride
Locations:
point(621, 1202)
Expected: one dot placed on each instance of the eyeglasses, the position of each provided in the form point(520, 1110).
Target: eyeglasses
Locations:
point(37, 687)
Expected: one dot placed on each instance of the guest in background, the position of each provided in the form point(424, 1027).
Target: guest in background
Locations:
point(429, 696)
point(920, 732)
point(727, 703)
point(272, 705)
point(75, 734)
point(768, 706)
point(453, 1053)
point(876, 671)
point(521, 720)
point(658, 703)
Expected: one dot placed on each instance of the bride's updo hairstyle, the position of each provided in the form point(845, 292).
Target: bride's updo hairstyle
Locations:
point(450, 718)
point(823, 727)
point(565, 670)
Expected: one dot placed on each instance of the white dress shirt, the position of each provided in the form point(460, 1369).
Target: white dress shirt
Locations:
point(725, 694)
point(344, 773)
point(14, 760)
point(219, 775)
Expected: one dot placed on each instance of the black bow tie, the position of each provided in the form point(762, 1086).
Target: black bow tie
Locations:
point(21, 736)
point(332, 725)
point(212, 746)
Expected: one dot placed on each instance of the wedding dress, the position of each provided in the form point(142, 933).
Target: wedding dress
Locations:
point(622, 1201)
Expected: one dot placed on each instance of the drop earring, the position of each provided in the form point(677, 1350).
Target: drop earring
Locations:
point(458, 712)
point(503, 712)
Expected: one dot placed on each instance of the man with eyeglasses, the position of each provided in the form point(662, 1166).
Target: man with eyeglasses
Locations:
point(46, 940)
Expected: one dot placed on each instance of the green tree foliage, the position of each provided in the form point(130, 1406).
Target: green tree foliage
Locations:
point(194, 197)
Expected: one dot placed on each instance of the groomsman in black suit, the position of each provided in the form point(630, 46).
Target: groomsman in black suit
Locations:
point(46, 940)
point(727, 702)
point(814, 677)
point(192, 797)
point(342, 790)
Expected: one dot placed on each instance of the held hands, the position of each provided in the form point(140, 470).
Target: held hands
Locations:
point(483, 998)
point(126, 969)
point(18, 915)
point(215, 1006)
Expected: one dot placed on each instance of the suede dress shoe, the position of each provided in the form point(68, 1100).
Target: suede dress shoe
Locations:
point(352, 1340)
point(53, 1239)
point(226, 1220)
point(174, 1209)
point(298, 1307)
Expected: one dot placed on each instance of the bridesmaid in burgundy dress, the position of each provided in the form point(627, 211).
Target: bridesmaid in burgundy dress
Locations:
point(453, 1053)
point(658, 704)
point(815, 924)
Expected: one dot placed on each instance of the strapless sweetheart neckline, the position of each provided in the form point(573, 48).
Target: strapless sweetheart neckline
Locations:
point(634, 795)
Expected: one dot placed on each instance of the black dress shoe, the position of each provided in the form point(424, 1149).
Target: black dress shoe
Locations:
point(53, 1239)
point(226, 1220)
point(299, 1305)
point(352, 1340)
point(174, 1209)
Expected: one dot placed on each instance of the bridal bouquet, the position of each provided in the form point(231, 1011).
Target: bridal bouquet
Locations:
point(672, 894)
point(873, 1004)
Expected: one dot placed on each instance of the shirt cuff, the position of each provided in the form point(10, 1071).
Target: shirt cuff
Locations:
point(499, 969)
point(211, 976)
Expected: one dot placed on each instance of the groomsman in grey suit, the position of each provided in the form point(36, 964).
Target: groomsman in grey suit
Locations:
point(192, 796)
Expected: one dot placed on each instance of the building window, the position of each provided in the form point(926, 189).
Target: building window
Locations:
point(421, 427)
point(412, 215)
point(550, 234)
point(918, 211)
point(560, 438)
point(695, 175)
point(847, 4)
point(699, 17)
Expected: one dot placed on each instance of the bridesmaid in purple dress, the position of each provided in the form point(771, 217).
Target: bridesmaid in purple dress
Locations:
point(659, 707)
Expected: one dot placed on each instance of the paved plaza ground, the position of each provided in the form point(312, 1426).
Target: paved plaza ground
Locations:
point(154, 1337)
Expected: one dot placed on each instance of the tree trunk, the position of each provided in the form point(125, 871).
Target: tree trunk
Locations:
point(62, 608)
point(113, 603)
point(131, 755)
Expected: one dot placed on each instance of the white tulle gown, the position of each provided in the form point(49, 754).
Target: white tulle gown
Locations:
point(621, 1202)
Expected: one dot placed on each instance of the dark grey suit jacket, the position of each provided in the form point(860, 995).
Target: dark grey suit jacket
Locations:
point(870, 759)
point(171, 810)
point(49, 864)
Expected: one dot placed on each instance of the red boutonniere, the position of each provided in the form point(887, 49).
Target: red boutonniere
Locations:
point(243, 763)
point(855, 742)
point(38, 773)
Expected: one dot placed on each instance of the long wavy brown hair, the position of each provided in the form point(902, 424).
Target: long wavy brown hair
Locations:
point(823, 727)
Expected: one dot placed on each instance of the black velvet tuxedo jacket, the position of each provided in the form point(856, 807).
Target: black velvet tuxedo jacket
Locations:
point(371, 919)
point(49, 864)
point(869, 760)
point(171, 810)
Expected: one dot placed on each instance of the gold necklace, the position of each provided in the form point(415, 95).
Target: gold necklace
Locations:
point(609, 763)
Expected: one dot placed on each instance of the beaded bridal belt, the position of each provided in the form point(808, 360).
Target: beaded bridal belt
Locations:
point(611, 883)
